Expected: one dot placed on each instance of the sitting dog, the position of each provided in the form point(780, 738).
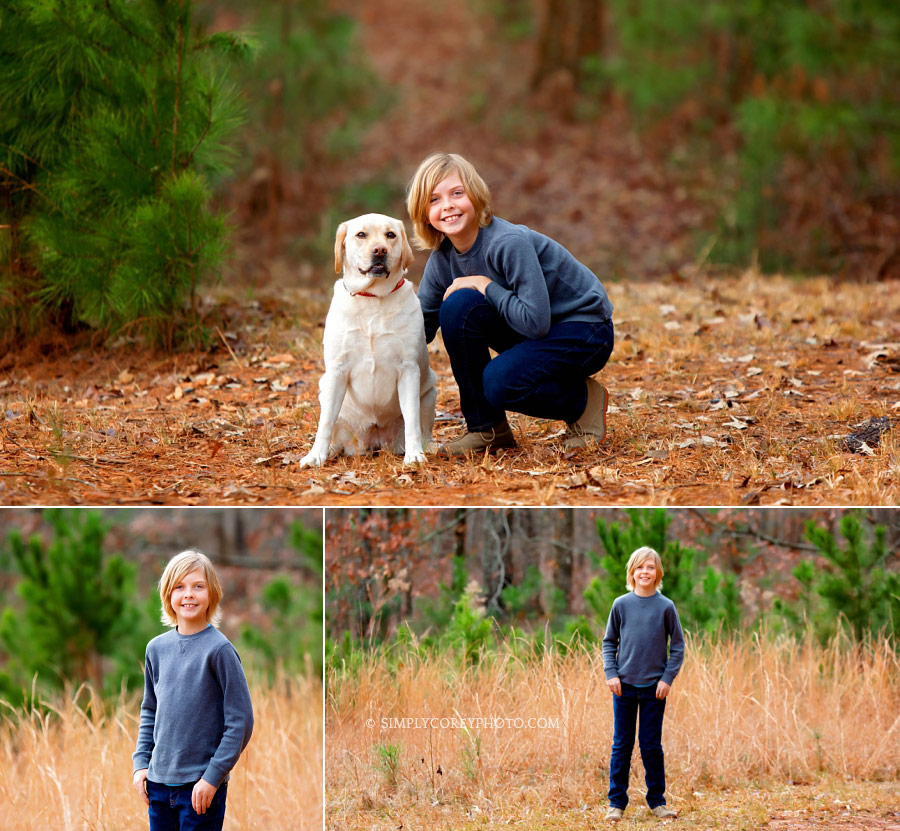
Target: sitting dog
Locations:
point(378, 389)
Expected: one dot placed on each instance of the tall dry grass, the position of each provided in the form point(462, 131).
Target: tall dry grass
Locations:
point(742, 710)
point(69, 769)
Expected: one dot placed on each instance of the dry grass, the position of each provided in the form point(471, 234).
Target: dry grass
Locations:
point(71, 768)
point(747, 720)
point(726, 390)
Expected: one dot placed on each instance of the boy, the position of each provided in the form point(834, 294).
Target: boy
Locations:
point(643, 649)
point(196, 716)
point(490, 284)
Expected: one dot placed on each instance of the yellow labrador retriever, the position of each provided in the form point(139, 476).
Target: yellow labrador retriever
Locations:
point(378, 389)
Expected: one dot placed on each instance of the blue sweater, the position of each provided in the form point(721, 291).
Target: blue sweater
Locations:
point(536, 281)
point(196, 716)
point(643, 643)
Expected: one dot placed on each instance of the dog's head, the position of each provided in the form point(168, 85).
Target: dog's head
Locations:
point(372, 252)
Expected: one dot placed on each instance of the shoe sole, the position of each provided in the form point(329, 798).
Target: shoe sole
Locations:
point(441, 449)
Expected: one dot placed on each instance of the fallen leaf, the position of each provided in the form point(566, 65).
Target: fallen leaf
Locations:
point(602, 475)
point(236, 490)
point(751, 498)
point(573, 480)
point(125, 377)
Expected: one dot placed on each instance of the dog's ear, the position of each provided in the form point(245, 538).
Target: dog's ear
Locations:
point(407, 257)
point(339, 248)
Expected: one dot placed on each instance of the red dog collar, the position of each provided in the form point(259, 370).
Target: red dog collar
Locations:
point(369, 294)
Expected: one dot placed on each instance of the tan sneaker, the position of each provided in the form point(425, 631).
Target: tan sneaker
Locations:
point(591, 427)
point(614, 814)
point(663, 812)
point(498, 436)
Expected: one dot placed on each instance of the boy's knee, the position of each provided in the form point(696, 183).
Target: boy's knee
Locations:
point(454, 309)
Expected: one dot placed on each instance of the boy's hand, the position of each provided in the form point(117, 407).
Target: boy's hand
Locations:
point(139, 781)
point(202, 796)
point(478, 282)
point(615, 685)
point(662, 689)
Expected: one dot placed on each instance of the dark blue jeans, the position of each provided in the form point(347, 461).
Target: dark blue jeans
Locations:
point(544, 377)
point(637, 704)
point(171, 809)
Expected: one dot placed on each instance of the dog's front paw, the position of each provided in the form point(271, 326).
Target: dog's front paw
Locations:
point(414, 458)
point(313, 459)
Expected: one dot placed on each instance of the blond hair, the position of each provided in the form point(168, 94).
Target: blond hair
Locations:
point(433, 171)
point(635, 560)
point(177, 569)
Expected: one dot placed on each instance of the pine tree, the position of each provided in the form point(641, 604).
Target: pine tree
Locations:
point(114, 116)
point(853, 584)
point(293, 640)
point(76, 602)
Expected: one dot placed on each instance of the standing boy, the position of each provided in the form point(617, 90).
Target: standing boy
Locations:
point(196, 716)
point(642, 653)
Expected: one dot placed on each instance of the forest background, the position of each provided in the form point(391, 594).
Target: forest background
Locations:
point(552, 573)
point(465, 683)
point(762, 133)
point(172, 175)
point(79, 599)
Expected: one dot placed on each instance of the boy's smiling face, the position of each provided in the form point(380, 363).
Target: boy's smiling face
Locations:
point(451, 212)
point(645, 577)
point(190, 600)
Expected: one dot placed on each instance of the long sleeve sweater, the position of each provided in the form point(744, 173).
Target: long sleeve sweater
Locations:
point(644, 642)
point(536, 282)
point(196, 715)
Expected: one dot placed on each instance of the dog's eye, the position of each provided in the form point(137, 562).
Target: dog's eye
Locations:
point(361, 235)
point(391, 235)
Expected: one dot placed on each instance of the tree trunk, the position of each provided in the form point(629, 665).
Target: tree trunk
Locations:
point(568, 32)
point(563, 560)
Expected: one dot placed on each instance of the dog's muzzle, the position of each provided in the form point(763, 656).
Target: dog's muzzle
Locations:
point(377, 269)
